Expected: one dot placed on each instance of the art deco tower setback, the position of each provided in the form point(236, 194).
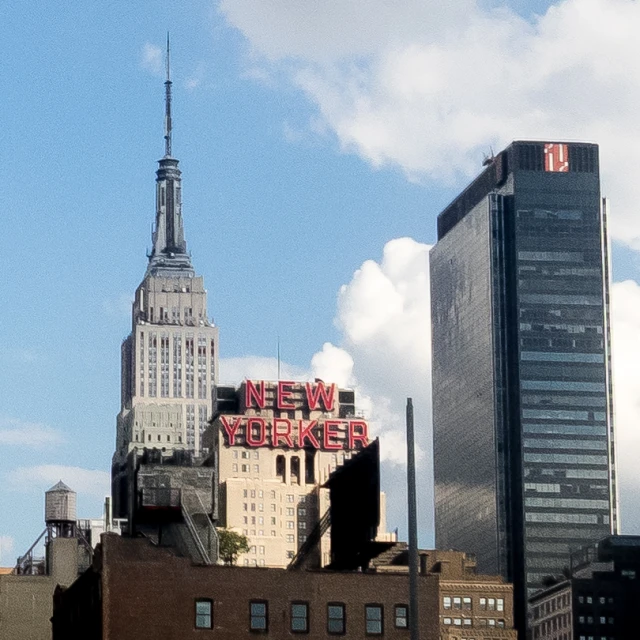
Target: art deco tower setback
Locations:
point(522, 403)
point(170, 359)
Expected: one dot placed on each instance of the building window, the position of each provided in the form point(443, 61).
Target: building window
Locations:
point(335, 619)
point(259, 616)
point(483, 603)
point(189, 366)
point(446, 602)
point(300, 617)
point(500, 604)
point(457, 603)
point(402, 616)
point(373, 619)
point(164, 366)
point(446, 620)
point(202, 367)
point(204, 618)
point(466, 604)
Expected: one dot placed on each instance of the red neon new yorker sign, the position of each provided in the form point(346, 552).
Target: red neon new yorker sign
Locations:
point(327, 434)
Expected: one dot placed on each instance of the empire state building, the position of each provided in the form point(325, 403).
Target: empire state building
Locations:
point(170, 358)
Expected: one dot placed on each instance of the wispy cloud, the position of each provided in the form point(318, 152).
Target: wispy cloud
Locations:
point(16, 432)
point(151, 58)
point(196, 78)
point(88, 482)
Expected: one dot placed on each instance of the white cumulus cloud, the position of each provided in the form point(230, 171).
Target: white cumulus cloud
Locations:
point(626, 379)
point(430, 86)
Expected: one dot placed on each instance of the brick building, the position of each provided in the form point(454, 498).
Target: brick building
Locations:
point(136, 590)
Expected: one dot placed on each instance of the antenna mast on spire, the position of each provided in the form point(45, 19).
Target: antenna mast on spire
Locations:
point(167, 114)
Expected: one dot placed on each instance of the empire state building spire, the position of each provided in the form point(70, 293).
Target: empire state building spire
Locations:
point(169, 253)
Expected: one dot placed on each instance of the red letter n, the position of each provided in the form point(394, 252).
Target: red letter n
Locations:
point(254, 391)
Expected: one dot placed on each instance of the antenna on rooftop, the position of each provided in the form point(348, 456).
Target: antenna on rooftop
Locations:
point(167, 97)
point(278, 357)
point(488, 159)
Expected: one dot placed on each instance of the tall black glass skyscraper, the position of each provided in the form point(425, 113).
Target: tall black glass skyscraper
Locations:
point(522, 403)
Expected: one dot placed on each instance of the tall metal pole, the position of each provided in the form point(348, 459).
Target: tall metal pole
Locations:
point(414, 617)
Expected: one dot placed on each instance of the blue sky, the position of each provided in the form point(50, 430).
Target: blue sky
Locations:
point(306, 144)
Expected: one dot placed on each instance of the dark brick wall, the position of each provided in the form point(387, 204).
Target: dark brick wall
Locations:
point(150, 594)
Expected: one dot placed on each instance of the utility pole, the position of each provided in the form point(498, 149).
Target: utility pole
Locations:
point(414, 617)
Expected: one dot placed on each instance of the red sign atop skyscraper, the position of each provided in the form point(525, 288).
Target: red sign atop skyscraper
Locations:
point(556, 157)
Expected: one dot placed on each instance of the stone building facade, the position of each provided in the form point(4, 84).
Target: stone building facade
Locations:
point(170, 359)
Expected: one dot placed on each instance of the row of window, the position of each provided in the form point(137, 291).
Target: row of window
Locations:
point(590, 600)
point(565, 429)
point(260, 519)
point(302, 499)
point(245, 468)
point(562, 385)
point(336, 618)
point(468, 622)
point(565, 458)
point(558, 443)
point(598, 619)
point(466, 603)
point(547, 356)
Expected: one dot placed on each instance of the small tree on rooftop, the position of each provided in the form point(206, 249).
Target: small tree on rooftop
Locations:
point(232, 544)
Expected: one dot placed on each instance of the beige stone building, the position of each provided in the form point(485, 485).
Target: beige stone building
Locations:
point(271, 480)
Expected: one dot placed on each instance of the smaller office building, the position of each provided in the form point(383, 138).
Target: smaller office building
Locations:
point(599, 600)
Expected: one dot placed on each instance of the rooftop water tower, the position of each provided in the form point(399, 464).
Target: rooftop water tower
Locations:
point(60, 511)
